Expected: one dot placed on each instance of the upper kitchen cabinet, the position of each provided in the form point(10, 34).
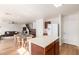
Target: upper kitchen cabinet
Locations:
point(46, 24)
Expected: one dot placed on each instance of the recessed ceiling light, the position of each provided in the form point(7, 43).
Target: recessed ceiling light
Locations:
point(57, 5)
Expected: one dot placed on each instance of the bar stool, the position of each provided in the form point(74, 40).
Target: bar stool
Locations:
point(23, 41)
point(22, 44)
point(18, 42)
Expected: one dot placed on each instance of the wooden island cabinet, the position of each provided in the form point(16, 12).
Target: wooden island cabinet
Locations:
point(51, 49)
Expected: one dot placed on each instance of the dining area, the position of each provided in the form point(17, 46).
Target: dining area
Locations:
point(15, 45)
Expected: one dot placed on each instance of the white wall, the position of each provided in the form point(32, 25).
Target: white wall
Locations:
point(71, 29)
point(10, 27)
point(39, 27)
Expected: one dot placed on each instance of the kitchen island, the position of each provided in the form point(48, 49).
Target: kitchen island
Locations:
point(45, 46)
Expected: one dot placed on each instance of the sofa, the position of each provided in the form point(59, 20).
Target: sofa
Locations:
point(9, 34)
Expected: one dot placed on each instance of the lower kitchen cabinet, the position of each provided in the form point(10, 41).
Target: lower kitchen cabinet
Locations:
point(56, 47)
point(51, 49)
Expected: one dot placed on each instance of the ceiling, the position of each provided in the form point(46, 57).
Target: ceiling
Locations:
point(25, 13)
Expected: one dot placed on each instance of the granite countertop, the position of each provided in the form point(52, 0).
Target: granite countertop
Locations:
point(43, 41)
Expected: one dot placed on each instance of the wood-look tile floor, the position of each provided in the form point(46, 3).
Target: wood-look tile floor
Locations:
point(7, 47)
point(67, 49)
